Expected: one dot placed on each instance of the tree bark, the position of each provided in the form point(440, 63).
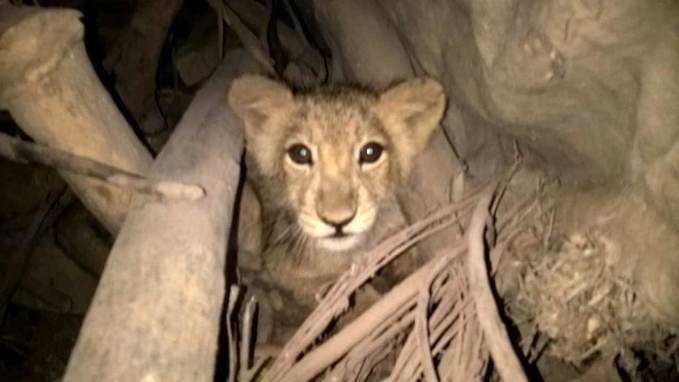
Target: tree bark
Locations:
point(156, 313)
point(51, 90)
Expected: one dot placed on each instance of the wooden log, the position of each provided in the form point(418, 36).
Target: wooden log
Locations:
point(156, 312)
point(52, 92)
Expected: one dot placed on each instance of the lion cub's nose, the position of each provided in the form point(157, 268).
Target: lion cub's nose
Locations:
point(336, 210)
point(337, 224)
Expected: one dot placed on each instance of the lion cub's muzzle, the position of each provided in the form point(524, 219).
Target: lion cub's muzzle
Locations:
point(336, 207)
point(340, 224)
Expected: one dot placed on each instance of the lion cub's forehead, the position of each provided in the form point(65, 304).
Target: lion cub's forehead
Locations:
point(342, 116)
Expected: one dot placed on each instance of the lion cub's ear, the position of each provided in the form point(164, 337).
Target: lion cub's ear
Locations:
point(411, 112)
point(257, 100)
point(262, 104)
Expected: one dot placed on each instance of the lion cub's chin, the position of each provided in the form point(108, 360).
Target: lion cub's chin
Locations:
point(340, 244)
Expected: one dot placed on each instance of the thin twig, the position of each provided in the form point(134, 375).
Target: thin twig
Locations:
point(337, 298)
point(407, 366)
point(379, 338)
point(495, 333)
point(233, 347)
point(246, 339)
point(403, 357)
point(451, 325)
point(21, 151)
point(422, 332)
point(336, 346)
point(256, 369)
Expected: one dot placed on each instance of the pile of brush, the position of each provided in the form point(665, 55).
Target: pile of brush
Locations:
point(439, 323)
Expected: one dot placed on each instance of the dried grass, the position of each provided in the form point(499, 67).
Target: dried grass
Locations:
point(575, 304)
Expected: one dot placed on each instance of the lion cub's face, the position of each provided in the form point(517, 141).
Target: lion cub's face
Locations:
point(337, 153)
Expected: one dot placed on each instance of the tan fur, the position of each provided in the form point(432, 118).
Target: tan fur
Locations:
point(298, 201)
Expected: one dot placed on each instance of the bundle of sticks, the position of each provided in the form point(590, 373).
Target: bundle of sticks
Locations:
point(439, 323)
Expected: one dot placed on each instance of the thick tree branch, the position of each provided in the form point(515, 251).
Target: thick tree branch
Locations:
point(156, 314)
point(52, 92)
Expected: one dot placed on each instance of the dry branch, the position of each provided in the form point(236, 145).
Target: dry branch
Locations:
point(422, 331)
point(240, 352)
point(337, 298)
point(446, 322)
point(495, 333)
point(246, 340)
point(52, 92)
point(156, 313)
point(25, 152)
point(335, 347)
point(451, 331)
point(233, 346)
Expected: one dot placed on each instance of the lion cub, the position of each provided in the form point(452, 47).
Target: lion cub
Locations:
point(327, 164)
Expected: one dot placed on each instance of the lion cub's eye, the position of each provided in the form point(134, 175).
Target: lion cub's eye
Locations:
point(300, 154)
point(370, 153)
